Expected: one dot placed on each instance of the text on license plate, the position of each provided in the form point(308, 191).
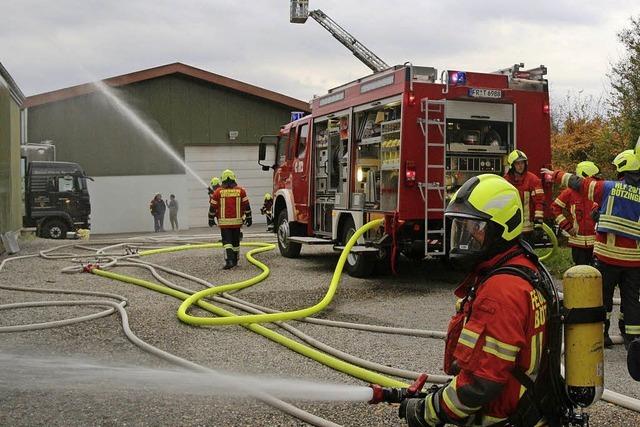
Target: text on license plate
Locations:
point(485, 93)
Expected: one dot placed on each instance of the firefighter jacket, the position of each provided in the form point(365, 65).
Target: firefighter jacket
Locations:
point(578, 217)
point(500, 326)
point(618, 229)
point(532, 195)
point(266, 207)
point(229, 205)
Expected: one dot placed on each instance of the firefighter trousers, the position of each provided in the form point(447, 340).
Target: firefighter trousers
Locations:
point(231, 243)
point(582, 256)
point(628, 279)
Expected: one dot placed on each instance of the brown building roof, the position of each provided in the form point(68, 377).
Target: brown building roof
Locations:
point(164, 70)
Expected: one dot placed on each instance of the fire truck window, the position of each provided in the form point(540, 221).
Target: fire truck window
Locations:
point(65, 184)
point(52, 184)
point(283, 144)
point(478, 136)
point(302, 141)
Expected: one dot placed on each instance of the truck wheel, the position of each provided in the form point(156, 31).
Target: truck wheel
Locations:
point(54, 229)
point(288, 249)
point(357, 265)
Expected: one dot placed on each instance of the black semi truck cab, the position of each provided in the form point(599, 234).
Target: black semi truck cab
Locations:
point(56, 198)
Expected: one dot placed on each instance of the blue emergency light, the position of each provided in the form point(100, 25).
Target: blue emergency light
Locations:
point(295, 115)
point(457, 77)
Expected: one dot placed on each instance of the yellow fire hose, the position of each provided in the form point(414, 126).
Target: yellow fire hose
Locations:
point(271, 317)
point(554, 242)
point(249, 321)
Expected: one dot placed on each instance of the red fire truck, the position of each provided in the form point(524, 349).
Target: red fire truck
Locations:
point(396, 145)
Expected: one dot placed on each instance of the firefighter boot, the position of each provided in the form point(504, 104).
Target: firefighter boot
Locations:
point(228, 259)
point(607, 339)
point(234, 259)
point(622, 327)
point(633, 359)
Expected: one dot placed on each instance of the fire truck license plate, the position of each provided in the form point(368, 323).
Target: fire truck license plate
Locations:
point(485, 93)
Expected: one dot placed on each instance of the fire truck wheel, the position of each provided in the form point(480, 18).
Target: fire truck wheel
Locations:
point(54, 229)
point(357, 265)
point(288, 249)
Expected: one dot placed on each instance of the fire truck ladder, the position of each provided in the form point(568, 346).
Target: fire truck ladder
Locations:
point(433, 189)
point(299, 14)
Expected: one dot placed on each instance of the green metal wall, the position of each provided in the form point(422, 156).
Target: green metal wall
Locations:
point(10, 180)
point(184, 111)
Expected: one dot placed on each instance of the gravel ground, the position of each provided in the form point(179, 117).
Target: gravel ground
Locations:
point(420, 297)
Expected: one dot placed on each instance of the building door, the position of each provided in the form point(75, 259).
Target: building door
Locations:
point(208, 161)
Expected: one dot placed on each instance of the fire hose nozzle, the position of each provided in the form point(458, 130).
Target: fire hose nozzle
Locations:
point(397, 395)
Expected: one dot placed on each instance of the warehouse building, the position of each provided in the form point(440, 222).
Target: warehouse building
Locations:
point(11, 100)
point(210, 121)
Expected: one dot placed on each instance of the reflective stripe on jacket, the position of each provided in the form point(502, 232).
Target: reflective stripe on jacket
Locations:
point(504, 328)
point(229, 205)
point(578, 210)
point(532, 195)
point(610, 247)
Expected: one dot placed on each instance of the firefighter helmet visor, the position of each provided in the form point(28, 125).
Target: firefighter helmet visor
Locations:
point(468, 236)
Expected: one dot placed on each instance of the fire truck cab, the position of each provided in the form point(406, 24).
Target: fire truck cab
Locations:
point(396, 145)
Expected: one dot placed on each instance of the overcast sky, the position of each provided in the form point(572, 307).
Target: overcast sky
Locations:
point(48, 45)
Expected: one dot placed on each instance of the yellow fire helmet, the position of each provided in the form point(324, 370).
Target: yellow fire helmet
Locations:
point(626, 162)
point(489, 197)
point(267, 196)
point(586, 169)
point(227, 174)
point(215, 181)
point(516, 156)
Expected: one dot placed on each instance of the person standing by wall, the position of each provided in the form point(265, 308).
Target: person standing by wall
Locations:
point(157, 208)
point(230, 206)
point(172, 204)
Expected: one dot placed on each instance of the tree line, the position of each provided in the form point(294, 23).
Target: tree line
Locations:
point(597, 129)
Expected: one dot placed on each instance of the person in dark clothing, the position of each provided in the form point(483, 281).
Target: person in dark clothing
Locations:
point(266, 210)
point(157, 208)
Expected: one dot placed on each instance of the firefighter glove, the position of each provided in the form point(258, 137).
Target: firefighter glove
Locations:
point(248, 221)
point(412, 410)
point(538, 220)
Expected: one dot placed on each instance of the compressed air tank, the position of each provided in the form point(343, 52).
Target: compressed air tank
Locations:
point(583, 334)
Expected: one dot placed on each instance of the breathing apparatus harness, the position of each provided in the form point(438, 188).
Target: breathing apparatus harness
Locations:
point(545, 397)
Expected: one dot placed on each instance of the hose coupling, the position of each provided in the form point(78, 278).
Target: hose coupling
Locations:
point(88, 268)
point(397, 395)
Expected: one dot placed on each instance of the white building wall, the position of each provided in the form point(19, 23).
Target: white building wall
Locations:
point(120, 204)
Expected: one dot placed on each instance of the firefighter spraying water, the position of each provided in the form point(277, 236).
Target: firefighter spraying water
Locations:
point(504, 344)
